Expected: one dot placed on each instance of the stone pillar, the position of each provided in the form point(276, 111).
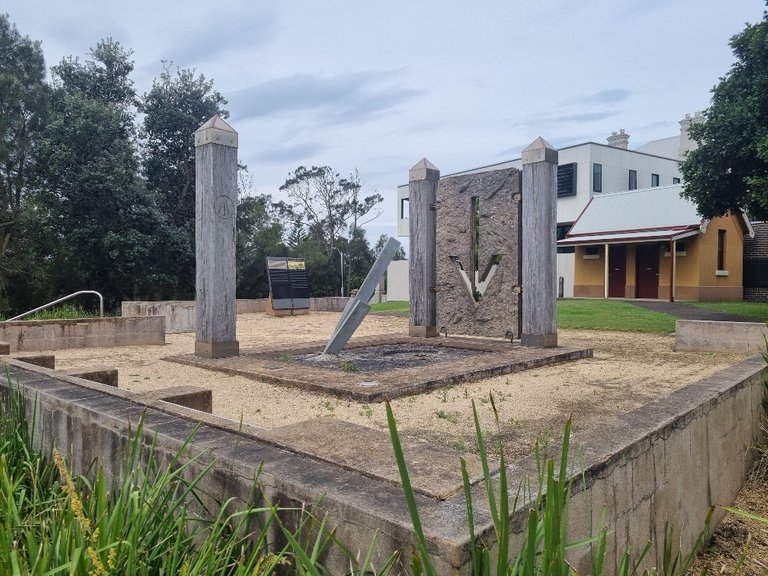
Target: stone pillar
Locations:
point(539, 266)
point(215, 215)
point(422, 188)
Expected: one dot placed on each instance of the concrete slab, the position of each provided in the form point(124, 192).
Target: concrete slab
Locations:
point(279, 366)
point(433, 471)
point(44, 360)
point(103, 375)
point(193, 397)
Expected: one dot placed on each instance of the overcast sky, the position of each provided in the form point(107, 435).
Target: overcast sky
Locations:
point(378, 85)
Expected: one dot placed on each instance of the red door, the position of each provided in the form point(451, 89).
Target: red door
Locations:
point(647, 271)
point(617, 271)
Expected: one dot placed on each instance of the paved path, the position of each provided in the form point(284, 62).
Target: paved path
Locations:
point(688, 312)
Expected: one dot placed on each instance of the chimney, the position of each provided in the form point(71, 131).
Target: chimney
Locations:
point(619, 139)
point(686, 144)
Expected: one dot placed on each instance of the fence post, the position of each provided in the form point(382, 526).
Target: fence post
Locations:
point(539, 266)
point(422, 187)
point(215, 215)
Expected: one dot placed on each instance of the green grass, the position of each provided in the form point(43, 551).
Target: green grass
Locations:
point(63, 312)
point(400, 306)
point(611, 315)
point(756, 310)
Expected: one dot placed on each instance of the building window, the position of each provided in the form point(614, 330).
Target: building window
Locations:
point(720, 250)
point(591, 252)
point(597, 177)
point(654, 180)
point(566, 179)
point(404, 208)
point(562, 230)
point(675, 180)
point(632, 180)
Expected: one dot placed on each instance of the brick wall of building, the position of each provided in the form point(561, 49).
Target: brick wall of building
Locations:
point(756, 264)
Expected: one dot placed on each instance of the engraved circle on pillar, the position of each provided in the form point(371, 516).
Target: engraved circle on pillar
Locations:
point(223, 207)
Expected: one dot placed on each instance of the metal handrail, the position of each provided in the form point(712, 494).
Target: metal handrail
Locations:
point(44, 306)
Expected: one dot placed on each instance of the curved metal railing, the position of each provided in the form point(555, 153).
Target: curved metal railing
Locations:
point(44, 306)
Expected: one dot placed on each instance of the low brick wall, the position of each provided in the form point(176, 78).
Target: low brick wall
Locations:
point(714, 336)
point(180, 314)
point(40, 335)
point(667, 461)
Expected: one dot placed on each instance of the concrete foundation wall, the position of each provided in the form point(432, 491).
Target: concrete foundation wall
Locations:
point(712, 336)
point(39, 335)
point(667, 461)
point(180, 314)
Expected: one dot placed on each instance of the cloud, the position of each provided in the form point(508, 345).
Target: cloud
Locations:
point(340, 99)
point(290, 153)
point(580, 117)
point(207, 36)
point(610, 96)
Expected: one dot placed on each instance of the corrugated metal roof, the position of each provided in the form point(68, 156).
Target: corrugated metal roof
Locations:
point(649, 213)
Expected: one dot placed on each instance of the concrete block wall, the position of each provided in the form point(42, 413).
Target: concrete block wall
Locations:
point(714, 336)
point(667, 461)
point(180, 314)
point(39, 335)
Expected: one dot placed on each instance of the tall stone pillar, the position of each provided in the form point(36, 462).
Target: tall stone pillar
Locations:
point(215, 215)
point(422, 189)
point(539, 267)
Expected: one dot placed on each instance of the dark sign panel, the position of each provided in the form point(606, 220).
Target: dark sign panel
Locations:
point(288, 284)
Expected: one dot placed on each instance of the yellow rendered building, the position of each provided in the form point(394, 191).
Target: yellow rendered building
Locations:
point(652, 243)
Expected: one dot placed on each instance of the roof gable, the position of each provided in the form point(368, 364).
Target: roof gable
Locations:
point(649, 213)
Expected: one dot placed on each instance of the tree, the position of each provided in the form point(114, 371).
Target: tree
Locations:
point(327, 203)
point(728, 171)
point(174, 108)
point(259, 234)
point(104, 220)
point(23, 108)
point(379, 246)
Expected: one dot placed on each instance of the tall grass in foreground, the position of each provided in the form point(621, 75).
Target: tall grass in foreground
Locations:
point(545, 545)
point(153, 521)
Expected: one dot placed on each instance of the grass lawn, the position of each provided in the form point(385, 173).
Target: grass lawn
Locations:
point(586, 314)
point(756, 310)
point(611, 315)
point(399, 306)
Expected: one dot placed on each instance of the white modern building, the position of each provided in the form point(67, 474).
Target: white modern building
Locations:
point(585, 170)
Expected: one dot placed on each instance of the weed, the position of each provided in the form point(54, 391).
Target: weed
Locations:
point(452, 417)
point(348, 366)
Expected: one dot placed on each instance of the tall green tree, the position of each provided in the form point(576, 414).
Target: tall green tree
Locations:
point(328, 204)
point(104, 220)
point(728, 171)
point(23, 109)
point(174, 108)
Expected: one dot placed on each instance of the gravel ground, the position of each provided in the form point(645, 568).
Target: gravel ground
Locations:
point(627, 371)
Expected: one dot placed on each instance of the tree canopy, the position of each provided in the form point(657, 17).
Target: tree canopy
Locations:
point(90, 198)
point(728, 171)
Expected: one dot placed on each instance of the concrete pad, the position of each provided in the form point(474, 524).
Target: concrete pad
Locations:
point(433, 471)
point(279, 366)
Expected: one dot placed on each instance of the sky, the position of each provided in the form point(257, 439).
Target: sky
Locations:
point(376, 86)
